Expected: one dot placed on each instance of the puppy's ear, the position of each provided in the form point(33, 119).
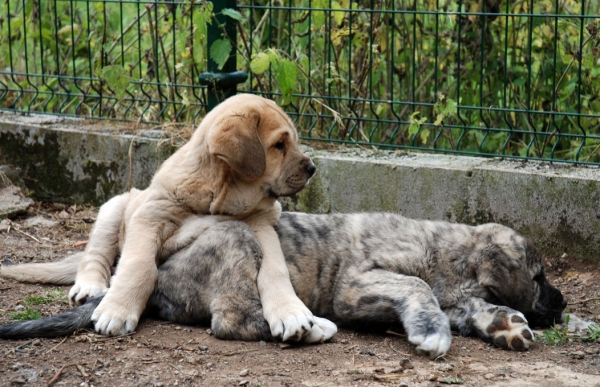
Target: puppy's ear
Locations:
point(234, 139)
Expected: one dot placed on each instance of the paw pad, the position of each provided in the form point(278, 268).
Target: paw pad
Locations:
point(509, 330)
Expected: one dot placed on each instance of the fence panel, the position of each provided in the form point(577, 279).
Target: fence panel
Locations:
point(518, 78)
point(513, 79)
point(118, 59)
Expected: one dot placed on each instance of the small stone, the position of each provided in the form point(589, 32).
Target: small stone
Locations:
point(577, 355)
point(208, 332)
point(243, 383)
point(403, 384)
point(203, 348)
point(243, 372)
point(210, 365)
point(36, 342)
point(19, 308)
point(64, 215)
point(489, 376)
point(406, 363)
point(262, 343)
point(19, 381)
point(444, 367)
point(367, 352)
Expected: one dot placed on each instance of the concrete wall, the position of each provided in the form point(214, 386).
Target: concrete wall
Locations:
point(69, 161)
point(558, 206)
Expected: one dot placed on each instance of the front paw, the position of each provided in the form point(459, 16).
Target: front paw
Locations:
point(290, 321)
point(432, 336)
point(323, 330)
point(83, 290)
point(508, 329)
point(114, 318)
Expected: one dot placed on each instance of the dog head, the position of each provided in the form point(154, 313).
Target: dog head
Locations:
point(258, 144)
point(512, 272)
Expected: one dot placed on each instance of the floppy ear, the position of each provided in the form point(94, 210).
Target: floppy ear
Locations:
point(234, 139)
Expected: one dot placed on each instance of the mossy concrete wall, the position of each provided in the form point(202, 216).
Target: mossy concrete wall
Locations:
point(63, 160)
point(557, 205)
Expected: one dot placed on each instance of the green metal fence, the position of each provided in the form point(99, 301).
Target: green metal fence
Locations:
point(512, 78)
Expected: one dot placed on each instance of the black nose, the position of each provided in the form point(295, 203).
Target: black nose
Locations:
point(310, 169)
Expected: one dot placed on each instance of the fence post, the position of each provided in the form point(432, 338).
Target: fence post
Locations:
point(221, 84)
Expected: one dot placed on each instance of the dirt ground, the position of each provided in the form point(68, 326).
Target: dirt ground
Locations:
point(164, 354)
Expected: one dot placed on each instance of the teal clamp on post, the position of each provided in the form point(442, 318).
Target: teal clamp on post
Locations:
point(221, 82)
point(221, 85)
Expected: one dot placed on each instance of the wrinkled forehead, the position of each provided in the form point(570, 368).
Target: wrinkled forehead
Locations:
point(275, 122)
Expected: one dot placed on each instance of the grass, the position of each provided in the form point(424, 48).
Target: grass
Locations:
point(48, 297)
point(558, 335)
point(30, 313)
point(27, 314)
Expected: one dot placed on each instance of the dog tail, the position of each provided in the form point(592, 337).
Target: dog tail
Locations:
point(60, 325)
point(61, 272)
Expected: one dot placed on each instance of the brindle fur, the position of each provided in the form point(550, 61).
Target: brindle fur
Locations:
point(485, 281)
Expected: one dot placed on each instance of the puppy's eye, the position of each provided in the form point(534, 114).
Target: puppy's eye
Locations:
point(280, 145)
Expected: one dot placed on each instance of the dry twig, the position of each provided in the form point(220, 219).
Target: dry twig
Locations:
point(57, 375)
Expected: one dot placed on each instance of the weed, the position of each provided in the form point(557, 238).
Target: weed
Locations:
point(593, 333)
point(26, 314)
point(557, 335)
point(46, 298)
point(453, 380)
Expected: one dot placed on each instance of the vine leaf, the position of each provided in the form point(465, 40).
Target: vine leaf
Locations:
point(260, 63)
point(219, 52)
point(232, 13)
point(286, 76)
point(117, 79)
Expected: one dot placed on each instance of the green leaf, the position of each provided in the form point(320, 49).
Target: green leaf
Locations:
point(337, 15)
point(424, 135)
point(415, 123)
point(318, 18)
point(260, 63)
point(117, 79)
point(232, 13)
point(286, 76)
point(220, 51)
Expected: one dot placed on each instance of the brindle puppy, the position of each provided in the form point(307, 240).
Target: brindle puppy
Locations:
point(485, 281)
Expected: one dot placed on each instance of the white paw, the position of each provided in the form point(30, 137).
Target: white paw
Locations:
point(290, 322)
point(433, 345)
point(323, 330)
point(434, 341)
point(113, 318)
point(84, 290)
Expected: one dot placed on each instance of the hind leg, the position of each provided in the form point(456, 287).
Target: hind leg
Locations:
point(384, 296)
point(215, 279)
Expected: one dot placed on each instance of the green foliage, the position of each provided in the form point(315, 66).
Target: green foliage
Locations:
point(29, 313)
point(593, 333)
point(557, 335)
point(26, 314)
point(496, 85)
point(47, 297)
point(232, 13)
point(220, 51)
point(561, 335)
point(453, 380)
point(117, 79)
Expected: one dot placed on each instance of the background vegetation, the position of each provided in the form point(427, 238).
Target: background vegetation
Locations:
point(519, 78)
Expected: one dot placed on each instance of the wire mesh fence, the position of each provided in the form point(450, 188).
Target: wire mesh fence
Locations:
point(518, 78)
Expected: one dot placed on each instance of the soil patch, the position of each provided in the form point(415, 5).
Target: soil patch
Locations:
point(164, 354)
